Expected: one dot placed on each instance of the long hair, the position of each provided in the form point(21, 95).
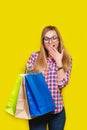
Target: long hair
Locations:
point(40, 62)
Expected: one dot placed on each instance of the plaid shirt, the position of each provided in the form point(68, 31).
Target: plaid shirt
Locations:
point(55, 85)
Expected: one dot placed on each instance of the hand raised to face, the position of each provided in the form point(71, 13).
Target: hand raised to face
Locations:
point(53, 52)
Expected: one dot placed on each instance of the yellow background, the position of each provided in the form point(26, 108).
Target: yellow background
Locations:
point(21, 23)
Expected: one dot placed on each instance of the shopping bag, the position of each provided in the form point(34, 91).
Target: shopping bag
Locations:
point(11, 104)
point(22, 108)
point(39, 98)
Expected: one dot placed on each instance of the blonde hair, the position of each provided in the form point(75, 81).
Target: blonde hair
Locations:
point(40, 62)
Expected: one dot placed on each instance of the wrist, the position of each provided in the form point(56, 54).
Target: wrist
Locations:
point(59, 68)
point(59, 64)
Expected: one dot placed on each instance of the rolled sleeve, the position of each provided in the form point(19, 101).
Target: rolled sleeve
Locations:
point(31, 61)
point(65, 79)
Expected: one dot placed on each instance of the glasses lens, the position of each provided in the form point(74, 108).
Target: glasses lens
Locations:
point(53, 39)
point(46, 39)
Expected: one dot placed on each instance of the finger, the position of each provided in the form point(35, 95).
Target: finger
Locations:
point(62, 52)
point(52, 54)
point(53, 48)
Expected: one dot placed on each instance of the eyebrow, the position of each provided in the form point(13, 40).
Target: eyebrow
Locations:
point(52, 36)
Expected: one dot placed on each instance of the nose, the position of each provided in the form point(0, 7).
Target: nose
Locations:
point(50, 41)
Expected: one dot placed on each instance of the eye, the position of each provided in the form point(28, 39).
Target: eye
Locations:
point(54, 37)
point(46, 39)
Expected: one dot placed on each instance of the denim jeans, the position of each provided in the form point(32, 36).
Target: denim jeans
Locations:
point(54, 121)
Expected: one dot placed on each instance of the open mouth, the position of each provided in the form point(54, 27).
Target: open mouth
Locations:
point(53, 45)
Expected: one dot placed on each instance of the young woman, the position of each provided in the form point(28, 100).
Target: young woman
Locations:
point(55, 64)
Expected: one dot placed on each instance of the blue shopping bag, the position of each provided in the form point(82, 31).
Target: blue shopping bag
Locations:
point(39, 97)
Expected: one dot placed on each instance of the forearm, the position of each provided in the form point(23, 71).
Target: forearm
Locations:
point(62, 76)
point(60, 73)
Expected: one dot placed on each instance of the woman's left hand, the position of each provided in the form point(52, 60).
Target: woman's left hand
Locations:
point(56, 55)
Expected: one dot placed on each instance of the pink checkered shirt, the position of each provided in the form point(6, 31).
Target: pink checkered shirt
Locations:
point(55, 85)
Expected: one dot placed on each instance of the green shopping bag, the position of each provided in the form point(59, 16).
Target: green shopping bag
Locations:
point(12, 101)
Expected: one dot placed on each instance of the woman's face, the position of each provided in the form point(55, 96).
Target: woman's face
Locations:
point(51, 39)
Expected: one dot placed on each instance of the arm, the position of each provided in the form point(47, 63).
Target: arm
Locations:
point(63, 77)
point(31, 61)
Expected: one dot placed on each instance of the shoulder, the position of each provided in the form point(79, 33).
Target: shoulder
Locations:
point(34, 54)
point(32, 58)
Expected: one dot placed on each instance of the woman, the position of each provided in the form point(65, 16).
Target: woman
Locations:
point(55, 64)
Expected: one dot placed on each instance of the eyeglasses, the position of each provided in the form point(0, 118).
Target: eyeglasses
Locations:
point(53, 39)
